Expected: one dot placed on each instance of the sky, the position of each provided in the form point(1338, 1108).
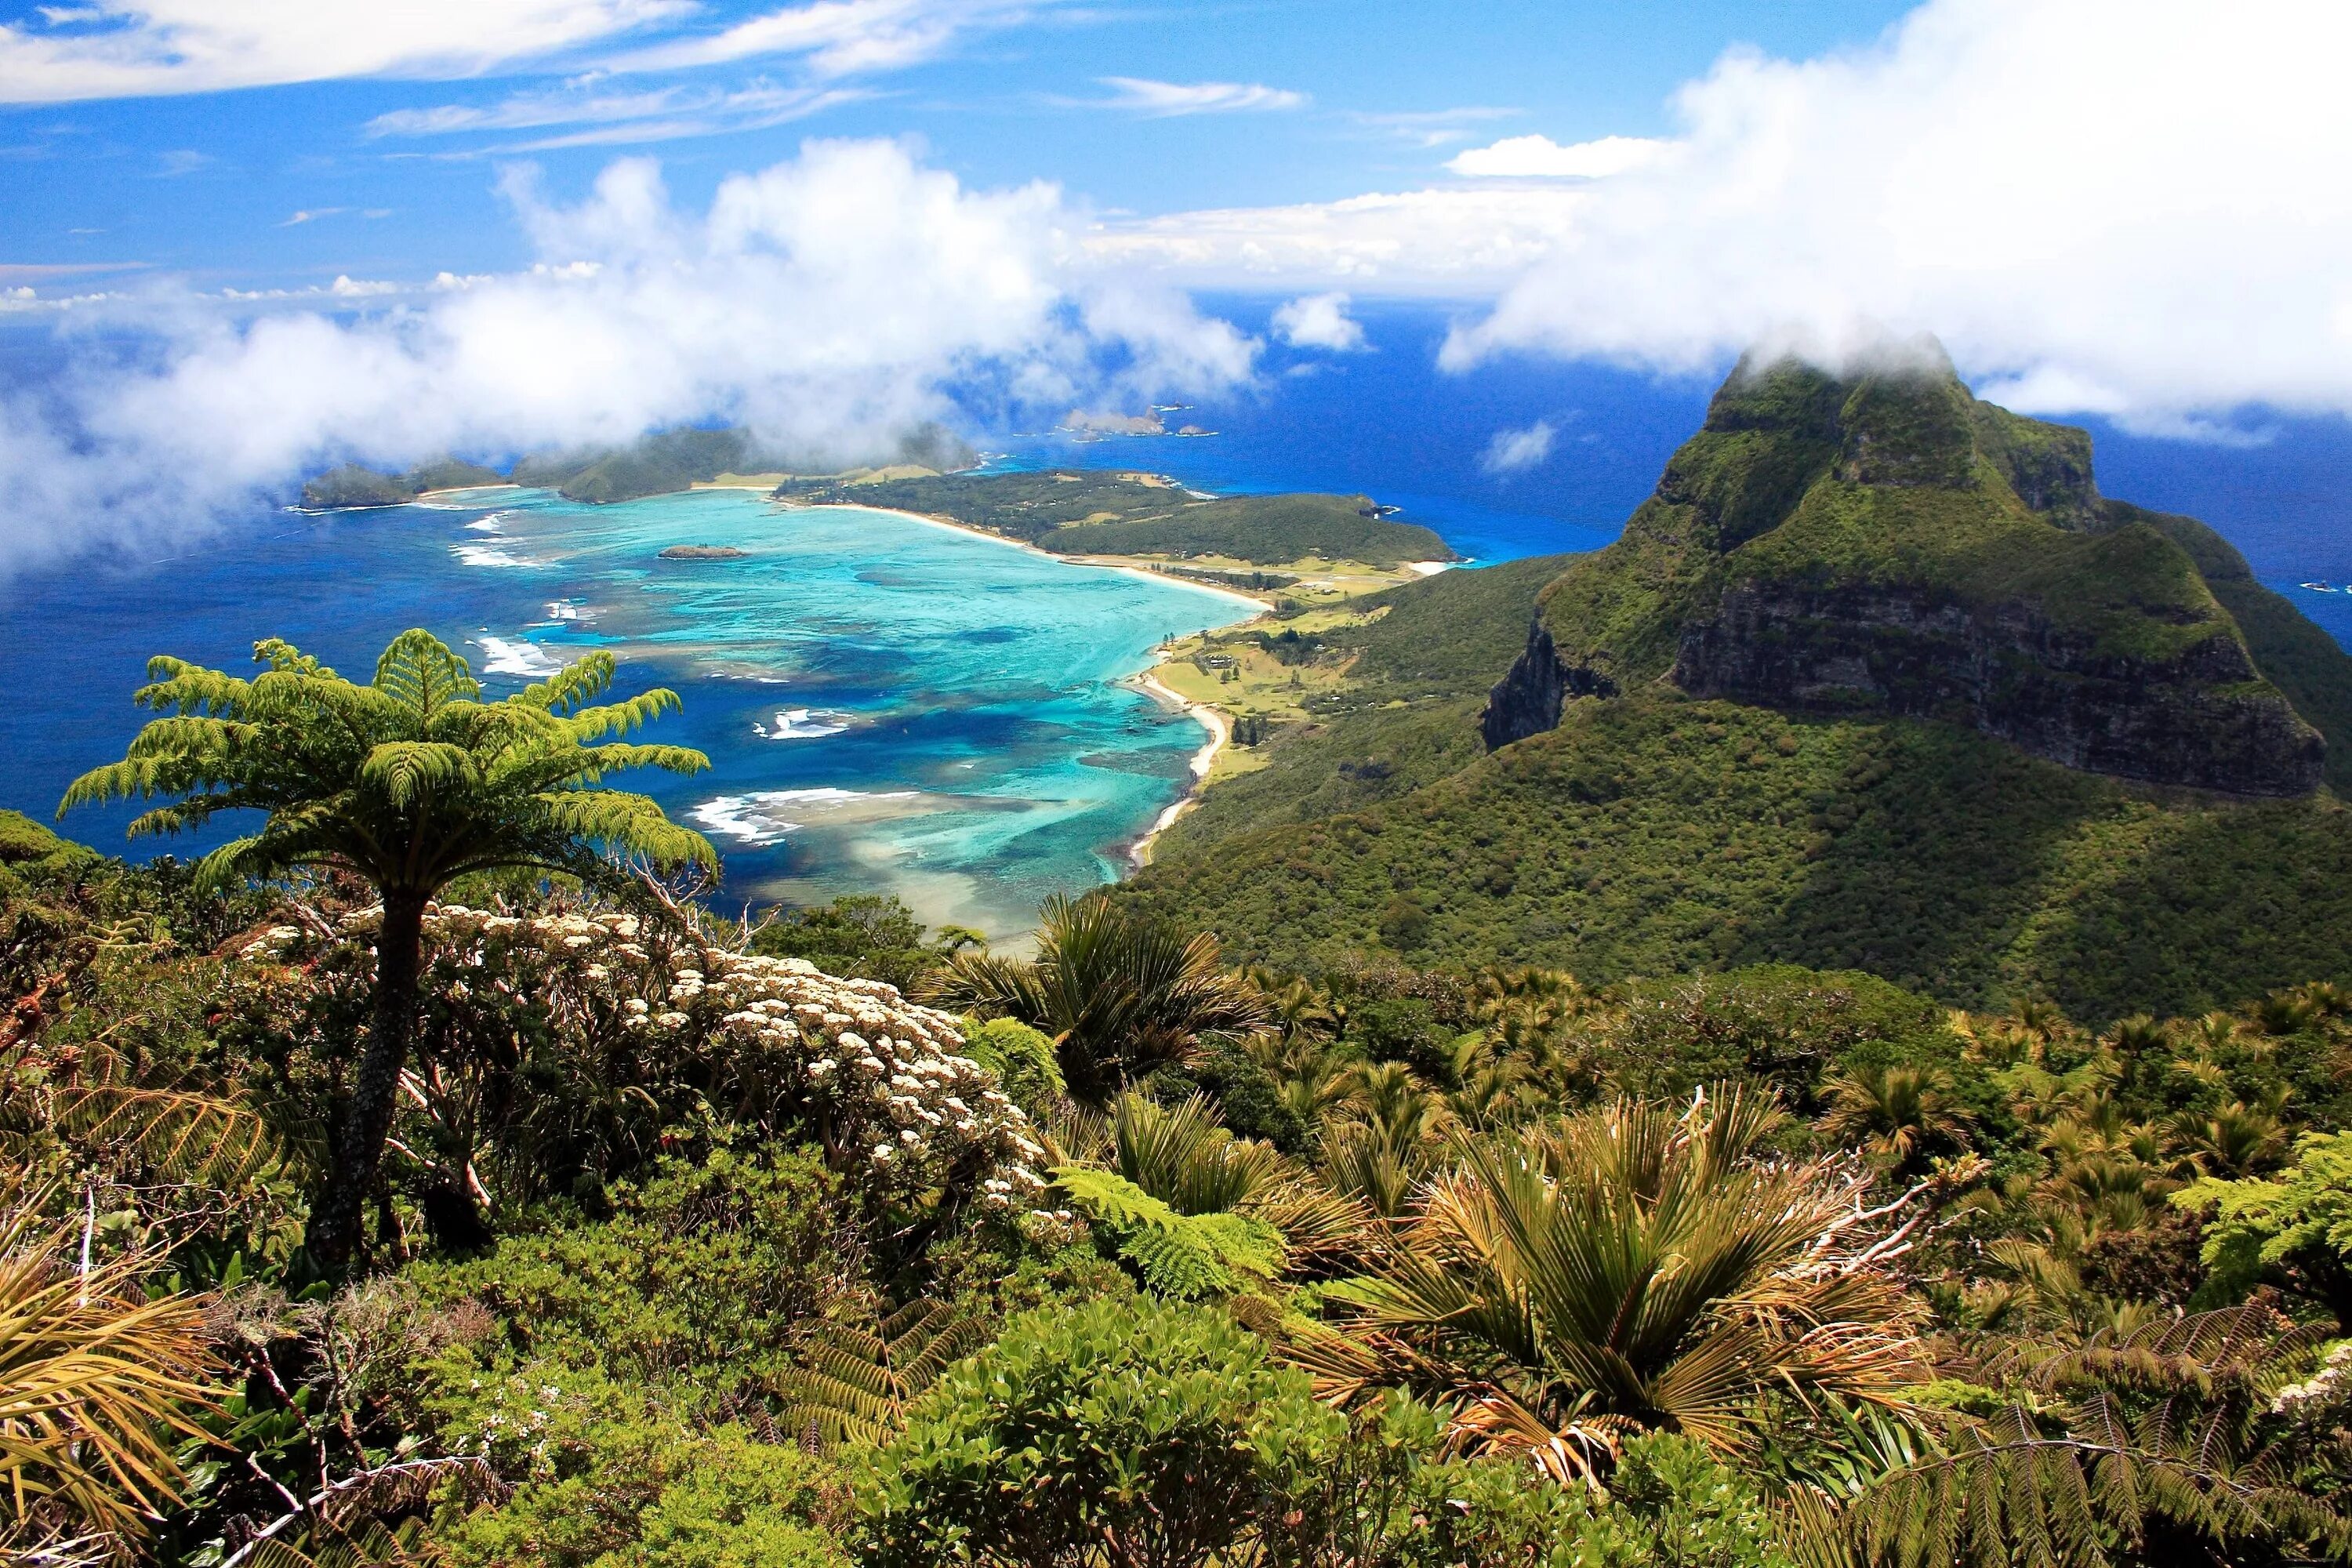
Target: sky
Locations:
point(393, 144)
point(254, 235)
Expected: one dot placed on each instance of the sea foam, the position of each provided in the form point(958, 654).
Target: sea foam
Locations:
point(490, 555)
point(801, 724)
point(759, 818)
point(513, 656)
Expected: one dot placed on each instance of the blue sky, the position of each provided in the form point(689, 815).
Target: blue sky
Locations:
point(205, 181)
point(380, 231)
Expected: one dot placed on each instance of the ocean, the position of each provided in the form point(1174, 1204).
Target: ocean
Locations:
point(894, 707)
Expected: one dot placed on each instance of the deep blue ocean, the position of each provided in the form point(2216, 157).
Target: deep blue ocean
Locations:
point(894, 707)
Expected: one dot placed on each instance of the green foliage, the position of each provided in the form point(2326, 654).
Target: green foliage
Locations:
point(446, 473)
point(653, 465)
point(1087, 512)
point(1181, 1257)
point(857, 1382)
point(709, 1270)
point(1656, 837)
point(2302, 660)
point(410, 781)
point(1450, 635)
point(1159, 1435)
point(1271, 529)
point(1120, 993)
point(2298, 1224)
point(612, 1474)
point(352, 485)
point(864, 936)
point(1637, 1266)
point(1023, 1060)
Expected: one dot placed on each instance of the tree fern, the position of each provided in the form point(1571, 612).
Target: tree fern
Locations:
point(856, 1383)
point(408, 783)
point(2167, 1430)
point(1179, 1256)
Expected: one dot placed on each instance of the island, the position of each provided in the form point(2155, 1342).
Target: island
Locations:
point(1303, 549)
point(703, 552)
point(1877, 680)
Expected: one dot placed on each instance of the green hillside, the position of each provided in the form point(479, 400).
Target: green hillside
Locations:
point(1084, 512)
point(1853, 692)
point(1655, 836)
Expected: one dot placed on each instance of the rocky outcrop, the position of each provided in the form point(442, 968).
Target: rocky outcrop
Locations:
point(2203, 718)
point(1528, 701)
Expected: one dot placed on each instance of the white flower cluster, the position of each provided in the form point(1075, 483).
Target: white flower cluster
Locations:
point(2328, 1388)
point(884, 1077)
point(887, 1072)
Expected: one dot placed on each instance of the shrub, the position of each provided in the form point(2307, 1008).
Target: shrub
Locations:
point(1162, 1431)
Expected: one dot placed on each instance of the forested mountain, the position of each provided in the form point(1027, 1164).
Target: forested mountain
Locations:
point(1875, 679)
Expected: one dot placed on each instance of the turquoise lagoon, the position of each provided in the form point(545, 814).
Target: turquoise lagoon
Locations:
point(888, 705)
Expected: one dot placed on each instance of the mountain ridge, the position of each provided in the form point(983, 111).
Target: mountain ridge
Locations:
point(1887, 543)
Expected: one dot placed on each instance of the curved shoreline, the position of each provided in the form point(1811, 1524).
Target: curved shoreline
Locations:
point(1098, 562)
point(1220, 732)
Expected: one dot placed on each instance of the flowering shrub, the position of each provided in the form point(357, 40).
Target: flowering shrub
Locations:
point(588, 1033)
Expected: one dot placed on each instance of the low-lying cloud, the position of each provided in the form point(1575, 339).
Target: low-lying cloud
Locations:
point(2131, 206)
point(830, 302)
point(1318, 322)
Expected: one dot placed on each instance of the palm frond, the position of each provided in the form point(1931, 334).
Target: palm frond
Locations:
point(98, 1384)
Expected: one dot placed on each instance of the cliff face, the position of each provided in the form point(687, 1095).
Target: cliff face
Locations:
point(1887, 544)
point(1528, 700)
point(2203, 717)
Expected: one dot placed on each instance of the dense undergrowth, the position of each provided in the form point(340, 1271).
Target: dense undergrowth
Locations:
point(684, 1253)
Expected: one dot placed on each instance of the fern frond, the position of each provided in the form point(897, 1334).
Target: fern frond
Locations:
point(186, 1135)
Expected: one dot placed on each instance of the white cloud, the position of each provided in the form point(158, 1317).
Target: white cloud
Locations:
point(1169, 98)
point(182, 161)
point(1540, 157)
point(1432, 127)
point(839, 37)
point(1317, 321)
point(131, 48)
point(2133, 206)
point(1513, 451)
point(313, 215)
point(1461, 243)
point(827, 301)
point(662, 114)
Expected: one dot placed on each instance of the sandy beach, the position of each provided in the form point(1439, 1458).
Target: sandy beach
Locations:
point(1221, 732)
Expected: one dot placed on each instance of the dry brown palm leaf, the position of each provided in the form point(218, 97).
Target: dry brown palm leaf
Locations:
point(96, 1385)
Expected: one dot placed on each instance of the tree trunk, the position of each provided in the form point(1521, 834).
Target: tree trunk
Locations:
point(334, 1231)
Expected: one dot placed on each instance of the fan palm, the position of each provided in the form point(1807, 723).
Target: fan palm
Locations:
point(1633, 1266)
point(1181, 1155)
point(408, 783)
point(1897, 1113)
point(1120, 993)
point(98, 1386)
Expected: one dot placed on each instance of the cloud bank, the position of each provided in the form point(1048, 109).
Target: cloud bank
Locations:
point(1540, 157)
point(2135, 207)
point(829, 302)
